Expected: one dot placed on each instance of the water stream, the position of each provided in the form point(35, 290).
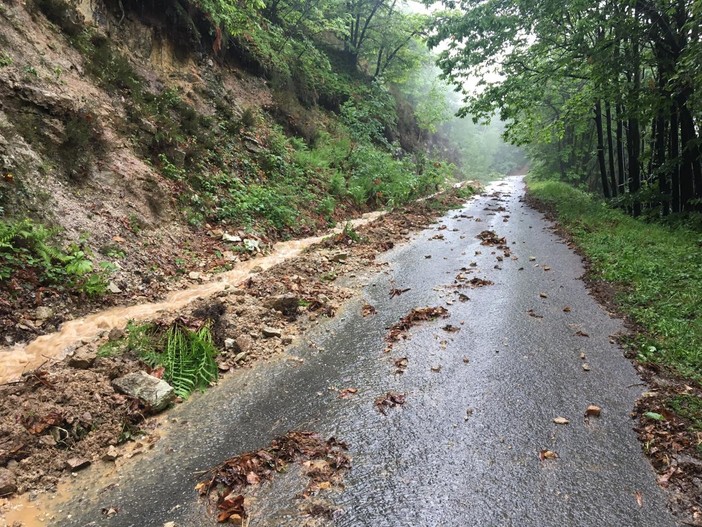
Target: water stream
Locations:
point(14, 360)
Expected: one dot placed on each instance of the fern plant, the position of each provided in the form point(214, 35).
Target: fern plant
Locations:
point(188, 357)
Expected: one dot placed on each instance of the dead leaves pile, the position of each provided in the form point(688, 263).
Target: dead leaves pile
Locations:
point(389, 400)
point(491, 238)
point(324, 462)
point(399, 330)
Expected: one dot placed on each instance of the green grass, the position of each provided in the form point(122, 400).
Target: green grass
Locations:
point(657, 269)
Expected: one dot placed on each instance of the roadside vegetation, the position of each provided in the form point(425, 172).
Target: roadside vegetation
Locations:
point(655, 268)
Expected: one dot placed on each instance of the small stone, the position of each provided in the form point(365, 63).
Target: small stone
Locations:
point(82, 359)
point(194, 275)
point(112, 288)
point(257, 269)
point(111, 454)
point(231, 238)
point(152, 391)
point(8, 482)
point(339, 257)
point(240, 356)
point(244, 343)
point(43, 313)
point(286, 304)
point(77, 463)
point(115, 334)
point(229, 343)
point(270, 332)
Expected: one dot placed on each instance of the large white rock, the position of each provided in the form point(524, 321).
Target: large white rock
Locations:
point(155, 393)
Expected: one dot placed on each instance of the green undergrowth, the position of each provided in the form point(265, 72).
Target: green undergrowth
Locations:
point(32, 253)
point(186, 356)
point(655, 267)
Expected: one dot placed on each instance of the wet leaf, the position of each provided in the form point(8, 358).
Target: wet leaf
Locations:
point(399, 330)
point(547, 454)
point(490, 238)
point(450, 328)
point(533, 314)
point(593, 411)
point(397, 292)
point(368, 310)
point(389, 400)
point(401, 364)
point(581, 333)
point(252, 478)
point(583, 356)
point(543, 295)
point(436, 369)
point(655, 416)
point(639, 498)
point(547, 268)
point(466, 360)
point(586, 366)
point(561, 420)
point(566, 309)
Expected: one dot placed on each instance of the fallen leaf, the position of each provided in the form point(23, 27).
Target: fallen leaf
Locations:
point(586, 366)
point(582, 355)
point(450, 328)
point(368, 310)
point(561, 420)
point(436, 369)
point(547, 268)
point(655, 416)
point(252, 478)
point(389, 400)
point(593, 411)
point(401, 364)
point(581, 333)
point(566, 309)
point(532, 258)
point(347, 392)
point(639, 498)
point(397, 292)
point(466, 360)
point(543, 295)
point(547, 454)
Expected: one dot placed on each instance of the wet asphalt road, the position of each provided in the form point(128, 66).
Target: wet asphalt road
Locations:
point(464, 449)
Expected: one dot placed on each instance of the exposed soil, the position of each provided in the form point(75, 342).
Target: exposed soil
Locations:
point(672, 443)
point(69, 411)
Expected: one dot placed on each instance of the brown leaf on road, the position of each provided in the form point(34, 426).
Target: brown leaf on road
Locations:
point(586, 366)
point(399, 330)
point(490, 238)
point(368, 310)
point(347, 392)
point(389, 400)
point(593, 411)
point(533, 314)
point(639, 498)
point(397, 292)
point(401, 364)
point(436, 369)
point(547, 454)
point(581, 333)
point(561, 420)
point(450, 328)
point(567, 309)
point(543, 295)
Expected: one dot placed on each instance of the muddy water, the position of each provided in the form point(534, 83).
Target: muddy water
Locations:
point(17, 359)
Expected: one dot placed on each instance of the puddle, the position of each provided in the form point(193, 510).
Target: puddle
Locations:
point(19, 358)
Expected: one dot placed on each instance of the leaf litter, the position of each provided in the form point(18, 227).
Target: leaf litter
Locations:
point(324, 463)
point(389, 400)
point(399, 330)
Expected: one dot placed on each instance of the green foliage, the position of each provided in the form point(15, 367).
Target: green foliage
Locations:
point(656, 266)
point(5, 59)
point(31, 247)
point(689, 407)
point(186, 356)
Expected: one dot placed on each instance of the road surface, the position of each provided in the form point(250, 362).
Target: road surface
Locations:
point(464, 449)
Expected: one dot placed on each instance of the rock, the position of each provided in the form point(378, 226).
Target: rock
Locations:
point(8, 482)
point(229, 344)
point(82, 359)
point(270, 332)
point(339, 257)
point(231, 238)
point(322, 298)
point(194, 275)
point(244, 343)
point(77, 463)
point(240, 356)
point(112, 288)
point(153, 392)
point(111, 454)
point(286, 304)
point(257, 269)
point(252, 245)
point(115, 334)
point(43, 312)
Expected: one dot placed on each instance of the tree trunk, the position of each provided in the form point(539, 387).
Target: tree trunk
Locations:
point(675, 160)
point(620, 149)
point(610, 150)
point(601, 150)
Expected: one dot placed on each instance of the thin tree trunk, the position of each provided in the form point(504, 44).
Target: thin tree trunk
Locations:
point(610, 150)
point(601, 150)
point(620, 149)
point(675, 160)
